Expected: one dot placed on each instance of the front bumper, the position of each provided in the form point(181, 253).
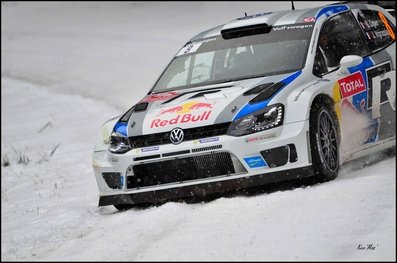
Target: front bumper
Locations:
point(274, 155)
point(204, 189)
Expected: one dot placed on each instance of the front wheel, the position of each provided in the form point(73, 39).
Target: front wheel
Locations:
point(324, 141)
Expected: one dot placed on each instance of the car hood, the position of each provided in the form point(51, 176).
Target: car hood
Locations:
point(200, 106)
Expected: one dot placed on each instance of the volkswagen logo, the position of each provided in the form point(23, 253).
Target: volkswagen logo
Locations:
point(176, 136)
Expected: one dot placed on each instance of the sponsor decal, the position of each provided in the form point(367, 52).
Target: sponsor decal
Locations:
point(147, 149)
point(381, 80)
point(352, 84)
point(372, 133)
point(150, 149)
point(183, 113)
point(367, 24)
point(193, 47)
point(186, 107)
point(260, 137)
point(113, 159)
point(380, 34)
point(255, 162)
point(337, 98)
point(309, 19)
point(160, 96)
point(186, 118)
point(330, 10)
point(213, 139)
point(292, 27)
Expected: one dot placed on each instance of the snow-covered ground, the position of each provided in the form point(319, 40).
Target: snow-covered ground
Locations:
point(68, 67)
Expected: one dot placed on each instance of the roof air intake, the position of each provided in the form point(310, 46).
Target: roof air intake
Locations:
point(245, 31)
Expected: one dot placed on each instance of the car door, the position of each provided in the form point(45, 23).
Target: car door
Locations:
point(379, 35)
point(357, 105)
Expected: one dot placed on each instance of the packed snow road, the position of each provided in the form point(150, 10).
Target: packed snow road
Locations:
point(49, 201)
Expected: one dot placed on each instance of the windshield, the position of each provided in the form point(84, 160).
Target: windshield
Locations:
point(215, 60)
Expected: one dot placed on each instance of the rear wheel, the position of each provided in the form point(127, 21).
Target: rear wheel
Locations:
point(324, 141)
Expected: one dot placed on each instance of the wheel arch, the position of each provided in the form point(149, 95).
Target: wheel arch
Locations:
point(322, 164)
point(325, 99)
point(301, 101)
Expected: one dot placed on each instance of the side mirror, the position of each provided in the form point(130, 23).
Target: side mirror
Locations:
point(348, 62)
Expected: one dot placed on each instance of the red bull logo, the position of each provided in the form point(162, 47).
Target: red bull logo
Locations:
point(200, 105)
point(184, 115)
point(160, 96)
point(186, 107)
point(171, 110)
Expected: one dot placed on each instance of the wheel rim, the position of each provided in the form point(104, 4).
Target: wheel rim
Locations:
point(327, 141)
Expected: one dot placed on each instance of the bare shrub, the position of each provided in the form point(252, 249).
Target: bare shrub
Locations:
point(22, 158)
point(5, 162)
point(46, 157)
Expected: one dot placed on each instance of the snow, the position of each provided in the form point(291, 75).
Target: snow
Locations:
point(67, 68)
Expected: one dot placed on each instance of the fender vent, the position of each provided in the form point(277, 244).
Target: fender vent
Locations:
point(141, 106)
point(268, 92)
point(258, 89)
point(201, 94)
point(127, 115)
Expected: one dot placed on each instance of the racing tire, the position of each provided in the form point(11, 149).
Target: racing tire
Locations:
point(324, 141)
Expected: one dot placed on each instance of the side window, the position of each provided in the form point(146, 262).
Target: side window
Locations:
point(379, 31)
point(340, 36)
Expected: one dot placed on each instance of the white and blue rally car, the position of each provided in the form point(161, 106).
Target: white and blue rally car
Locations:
point(261, 99)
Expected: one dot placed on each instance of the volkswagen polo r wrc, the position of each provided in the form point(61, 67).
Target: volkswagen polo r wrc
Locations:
point(261, 99)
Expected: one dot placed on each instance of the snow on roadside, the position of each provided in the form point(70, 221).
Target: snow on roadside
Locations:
point(46, 200)
point(49, 208)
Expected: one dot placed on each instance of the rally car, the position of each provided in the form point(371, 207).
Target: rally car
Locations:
point(261, 99)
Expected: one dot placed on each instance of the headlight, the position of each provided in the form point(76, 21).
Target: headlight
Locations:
point(119, 143)
point(267, 118)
